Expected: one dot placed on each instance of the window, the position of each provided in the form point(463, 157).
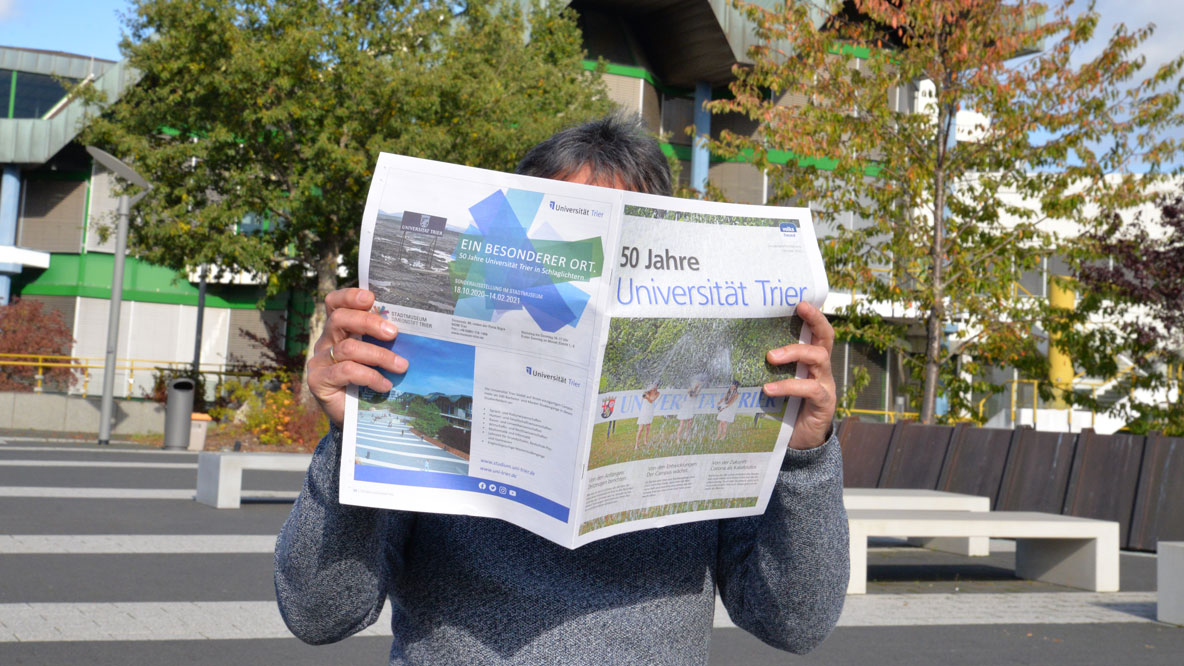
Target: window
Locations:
point(28, 95)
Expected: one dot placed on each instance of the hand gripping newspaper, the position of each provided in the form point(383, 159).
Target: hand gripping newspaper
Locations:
point(583, 361)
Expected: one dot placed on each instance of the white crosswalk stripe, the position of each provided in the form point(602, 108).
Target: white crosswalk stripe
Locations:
point(96, 493)
point(151, 621)
point(896, 610)
point(913, 610)
point(128, 621)
point(96, 464)
point(88, 449)
point(54, 492)
point(97, 544)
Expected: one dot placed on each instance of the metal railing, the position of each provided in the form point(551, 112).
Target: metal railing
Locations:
point(83, 365)
point(888, 416)
point(1014, 399)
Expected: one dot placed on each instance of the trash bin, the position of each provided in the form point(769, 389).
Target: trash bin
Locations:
point(176, 413)
point(198, 425)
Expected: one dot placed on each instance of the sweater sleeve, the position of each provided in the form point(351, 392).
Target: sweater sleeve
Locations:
point(333, 562)
point(783, 575)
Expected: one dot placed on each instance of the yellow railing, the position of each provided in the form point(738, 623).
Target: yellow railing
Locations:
point(889, 416)
point(1078, 383)
point(1014, 397)
point(82, 367)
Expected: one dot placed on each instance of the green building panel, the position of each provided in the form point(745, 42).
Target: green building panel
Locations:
point(89, 275)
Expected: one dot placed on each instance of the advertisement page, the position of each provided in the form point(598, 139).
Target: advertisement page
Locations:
point(494, 282)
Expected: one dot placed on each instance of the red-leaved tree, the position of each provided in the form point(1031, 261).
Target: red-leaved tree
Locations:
point(29, 332)
point(1132, 308)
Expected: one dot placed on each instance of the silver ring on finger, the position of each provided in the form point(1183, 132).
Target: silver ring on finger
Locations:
point(332, 356)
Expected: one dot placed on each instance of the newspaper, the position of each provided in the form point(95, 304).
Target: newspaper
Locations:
point(583, 361)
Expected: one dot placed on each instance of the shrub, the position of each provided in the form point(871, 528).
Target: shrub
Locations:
point(274, 409)
point(29, 329)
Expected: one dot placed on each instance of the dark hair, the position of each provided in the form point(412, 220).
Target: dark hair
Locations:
point(613, 147)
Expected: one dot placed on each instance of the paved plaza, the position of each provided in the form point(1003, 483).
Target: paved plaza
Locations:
point(105, 558)
point(387, 440)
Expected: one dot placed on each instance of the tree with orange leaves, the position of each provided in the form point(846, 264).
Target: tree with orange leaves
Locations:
point(915, 117)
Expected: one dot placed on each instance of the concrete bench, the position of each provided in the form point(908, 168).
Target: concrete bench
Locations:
point(220, 475)
point(909, 499)
point(1169, 581)
point(1066, 550)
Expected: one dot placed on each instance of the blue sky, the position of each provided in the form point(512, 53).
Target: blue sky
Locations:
point(433, 365)
point(85, 27)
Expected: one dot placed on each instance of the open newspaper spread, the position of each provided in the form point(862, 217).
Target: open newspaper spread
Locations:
point(583, 361)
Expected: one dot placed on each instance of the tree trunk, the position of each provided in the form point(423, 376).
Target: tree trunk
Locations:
point(937, 309)
point(326, 275)
point(932, 365)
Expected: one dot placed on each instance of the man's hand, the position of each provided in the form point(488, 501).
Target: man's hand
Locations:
point(818, 389)
point(339, 359)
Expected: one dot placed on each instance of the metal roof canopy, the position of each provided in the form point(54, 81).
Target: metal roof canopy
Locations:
point(688, 41)
point(36, 61)
point(33, 141)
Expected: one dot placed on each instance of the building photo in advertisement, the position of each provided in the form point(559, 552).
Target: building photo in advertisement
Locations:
point(409, 257)
point(679, 387)
point(425, 421)
point(501, 257)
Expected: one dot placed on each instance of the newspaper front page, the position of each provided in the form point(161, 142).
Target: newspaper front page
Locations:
point(583, 361)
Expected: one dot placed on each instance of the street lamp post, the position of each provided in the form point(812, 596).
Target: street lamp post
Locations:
point(125, 203)
point(201, 311)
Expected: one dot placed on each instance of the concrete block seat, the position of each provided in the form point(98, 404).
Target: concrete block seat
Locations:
point(918, 499)
point(1065, 550)
point(220, 475)
point(1169, 581)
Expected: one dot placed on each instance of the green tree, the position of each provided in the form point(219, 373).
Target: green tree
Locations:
point(259, 121)
point(938, 244)
point(678, 352)
point(425, 417)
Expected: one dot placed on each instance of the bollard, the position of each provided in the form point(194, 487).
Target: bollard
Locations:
point(177, 414)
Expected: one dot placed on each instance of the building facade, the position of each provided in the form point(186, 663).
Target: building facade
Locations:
point(57, 212)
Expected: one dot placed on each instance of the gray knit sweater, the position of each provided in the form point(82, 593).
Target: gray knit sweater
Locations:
point(469, 590)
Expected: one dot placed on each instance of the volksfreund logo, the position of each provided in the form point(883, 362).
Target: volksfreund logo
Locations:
point(789, 228)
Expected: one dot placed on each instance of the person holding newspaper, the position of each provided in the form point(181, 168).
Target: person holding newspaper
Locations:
point(471, 590)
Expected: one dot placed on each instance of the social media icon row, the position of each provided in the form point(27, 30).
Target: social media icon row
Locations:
point(500, 490)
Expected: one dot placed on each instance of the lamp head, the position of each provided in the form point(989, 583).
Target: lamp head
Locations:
point(117, 166)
